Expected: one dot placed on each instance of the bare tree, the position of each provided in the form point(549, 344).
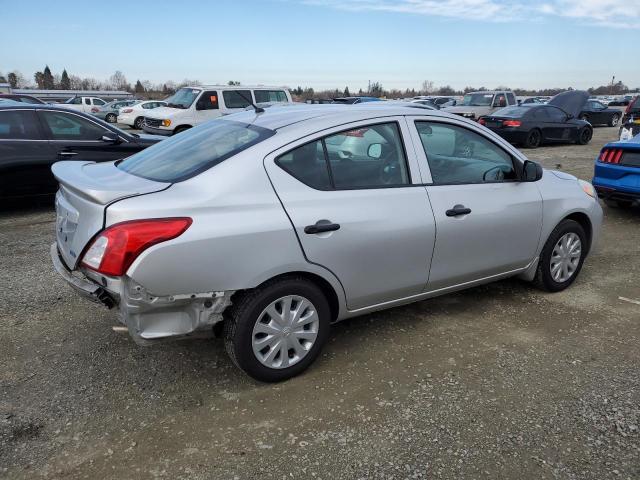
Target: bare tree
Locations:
point(427, 87)
point(118, 81)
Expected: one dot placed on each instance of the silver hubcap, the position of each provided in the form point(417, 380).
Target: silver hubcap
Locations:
point(285, 332)
point(565, 257)
point(614, 121)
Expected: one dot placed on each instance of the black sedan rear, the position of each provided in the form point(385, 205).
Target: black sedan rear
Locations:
point(532, 125)
point(34, 137)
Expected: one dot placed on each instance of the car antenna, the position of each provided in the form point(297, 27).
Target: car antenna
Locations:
point(256, 108)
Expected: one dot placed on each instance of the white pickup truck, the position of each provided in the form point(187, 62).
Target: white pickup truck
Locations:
point(84, 104)
point(476, 104)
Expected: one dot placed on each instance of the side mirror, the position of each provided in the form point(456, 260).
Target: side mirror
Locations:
point(110, 138)
point(375, 150)
point(531, 171)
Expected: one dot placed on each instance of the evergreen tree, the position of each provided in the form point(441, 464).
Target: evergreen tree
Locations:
point(13, 80)
point(65, 81)
point(47, 79)
point(139, 88)
point(346, 92)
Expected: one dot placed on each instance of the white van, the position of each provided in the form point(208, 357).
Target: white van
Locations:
point(191, 106)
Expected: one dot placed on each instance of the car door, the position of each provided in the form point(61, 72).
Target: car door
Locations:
point(74, 137)
point(360, 214)
point(25, 155)
point(560, 129)
point(488, 223)
point(207, 106)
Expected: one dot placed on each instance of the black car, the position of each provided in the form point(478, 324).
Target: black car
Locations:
point(34, 137)
point(16, 97)
point(597, 113)
point(532, 125)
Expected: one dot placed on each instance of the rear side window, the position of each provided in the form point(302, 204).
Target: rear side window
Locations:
point(87, 101)
point(233, 98)
point(66, 126)
point(512, 98)
point(307, 163)
point(366, 157)
point(556, 115)
point(18, 125)
point(194, 151)
point(263, 96)
point(97, 101)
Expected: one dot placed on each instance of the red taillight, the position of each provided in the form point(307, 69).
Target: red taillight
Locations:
point(127, 110)
point(113, 250)
point(482, 121)
point(356, 133)
point(511, 123)
point(610, 155)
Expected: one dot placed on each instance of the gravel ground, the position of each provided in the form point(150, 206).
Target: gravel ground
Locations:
point(500, 381)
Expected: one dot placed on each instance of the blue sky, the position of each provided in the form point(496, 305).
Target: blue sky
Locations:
point(329, 43)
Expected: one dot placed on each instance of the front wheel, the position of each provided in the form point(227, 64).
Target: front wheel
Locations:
point(562, 257)
point(276, 331)
point(584, 136)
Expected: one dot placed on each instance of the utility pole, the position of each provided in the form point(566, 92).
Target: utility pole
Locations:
point(612, 82)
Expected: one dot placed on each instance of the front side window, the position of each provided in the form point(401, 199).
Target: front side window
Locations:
point(234, 98)
point(263, 96)
point(459, 156)
point(194, 151)
point(366, 157)
point(208, 101)
point(66, 126)
point(18, 125)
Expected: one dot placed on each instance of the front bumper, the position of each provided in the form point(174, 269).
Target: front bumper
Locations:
point(81, 284)
point(157, 131)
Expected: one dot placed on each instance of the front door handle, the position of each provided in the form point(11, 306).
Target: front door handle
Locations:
point(321, 226)
point(458, 210)
point(67, 154)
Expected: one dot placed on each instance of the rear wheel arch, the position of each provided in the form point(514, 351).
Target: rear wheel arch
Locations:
point(327, 289)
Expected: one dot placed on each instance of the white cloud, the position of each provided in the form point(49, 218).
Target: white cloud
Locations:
point(609, 13)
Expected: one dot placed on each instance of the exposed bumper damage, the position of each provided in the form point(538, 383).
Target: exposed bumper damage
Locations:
point(148, 317)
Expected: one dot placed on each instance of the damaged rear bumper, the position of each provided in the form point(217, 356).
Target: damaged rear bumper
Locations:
point(149, 318)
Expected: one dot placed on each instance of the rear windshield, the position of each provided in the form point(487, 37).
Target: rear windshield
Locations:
point(515, 112)
point(477, 99)
point(194, 151)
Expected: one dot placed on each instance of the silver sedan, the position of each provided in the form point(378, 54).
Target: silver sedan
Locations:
point(267, 227)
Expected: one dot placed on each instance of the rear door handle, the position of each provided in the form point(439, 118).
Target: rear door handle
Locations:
point(458, 210)
point(321, 226)
point(67, 154)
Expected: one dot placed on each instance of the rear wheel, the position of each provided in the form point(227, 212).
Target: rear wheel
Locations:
point(561, 257)
point(138, 123)
point(111, 118)
point(614, 120)
point(534, 139)
point(276, 331)
point(584, 136)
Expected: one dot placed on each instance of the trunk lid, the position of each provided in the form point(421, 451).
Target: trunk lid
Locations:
point(86, 190)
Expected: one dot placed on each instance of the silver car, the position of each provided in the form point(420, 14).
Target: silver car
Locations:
point(252, 226)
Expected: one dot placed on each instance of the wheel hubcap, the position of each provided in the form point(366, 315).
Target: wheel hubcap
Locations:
point(285, 332)
point(565, 257)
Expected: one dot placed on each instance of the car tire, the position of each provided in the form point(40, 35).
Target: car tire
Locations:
point(584, 136)
point(180, 130)
point(111, 118)
point(618, 203)
point(553, 254)
point(614, 120)
point(137, 124)
point(249, 319)
point(534, 139)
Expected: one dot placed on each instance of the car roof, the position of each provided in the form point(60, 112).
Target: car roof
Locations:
point(277, 117)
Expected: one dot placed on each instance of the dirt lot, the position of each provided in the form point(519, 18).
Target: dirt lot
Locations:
point(500, 381)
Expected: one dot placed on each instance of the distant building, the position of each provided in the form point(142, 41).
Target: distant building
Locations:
point(5, 88)
point(64, 95)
